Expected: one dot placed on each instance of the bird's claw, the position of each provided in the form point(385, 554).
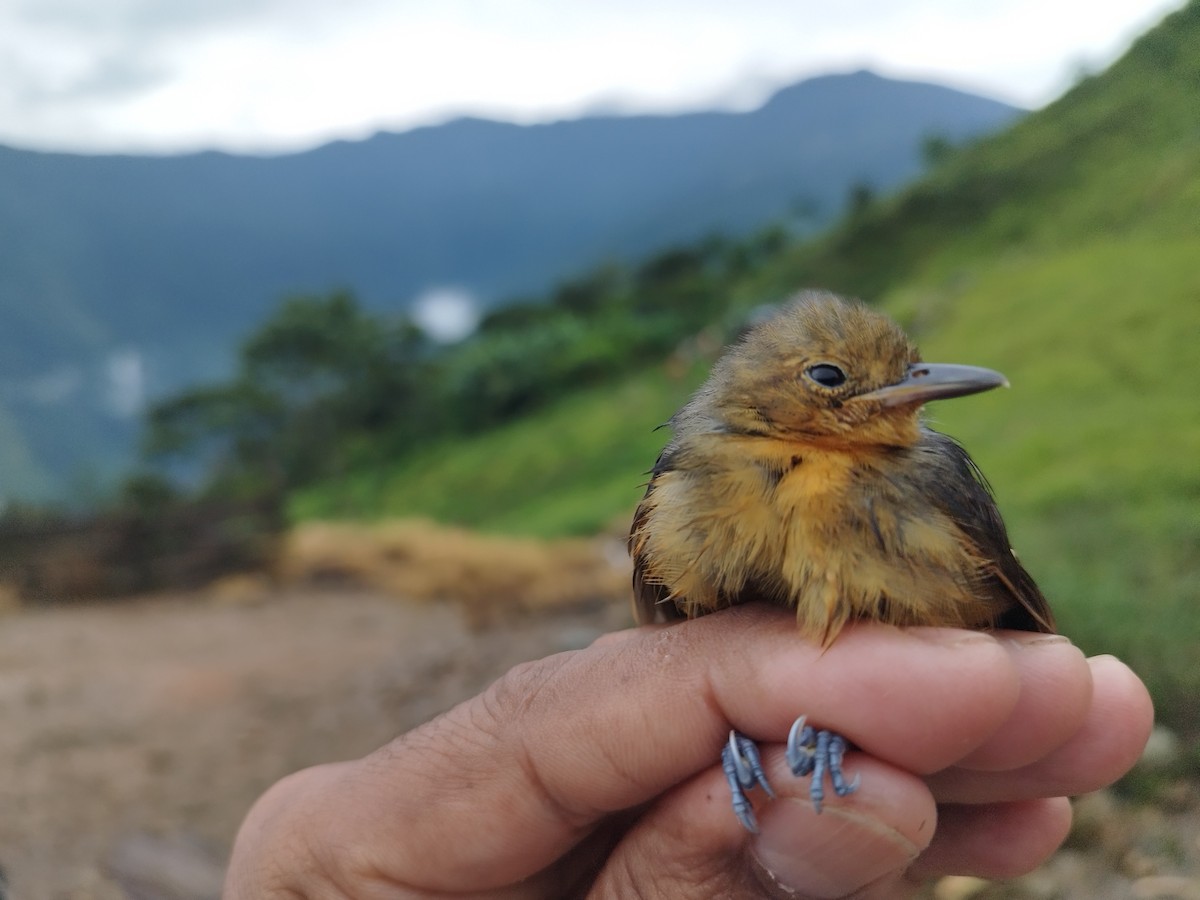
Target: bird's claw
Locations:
point(809, 752)
point(818, 753)
point(743, 770)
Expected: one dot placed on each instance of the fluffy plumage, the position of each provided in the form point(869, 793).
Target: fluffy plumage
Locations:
point(800, 474)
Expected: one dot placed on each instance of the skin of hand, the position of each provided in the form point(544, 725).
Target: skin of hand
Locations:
point(801, 473)
point(592, 773)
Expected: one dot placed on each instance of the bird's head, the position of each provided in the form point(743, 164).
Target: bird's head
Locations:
point(827, 371)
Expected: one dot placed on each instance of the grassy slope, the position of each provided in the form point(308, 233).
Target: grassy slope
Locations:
point(1093, 453)
point(568, 470)
point(1065, 252)
point(1080, 279)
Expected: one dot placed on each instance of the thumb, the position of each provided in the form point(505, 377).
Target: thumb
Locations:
point(692, 846)
point(840, 852)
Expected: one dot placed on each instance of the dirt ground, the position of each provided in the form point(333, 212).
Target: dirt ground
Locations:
point(126, 724)
point(135, 735)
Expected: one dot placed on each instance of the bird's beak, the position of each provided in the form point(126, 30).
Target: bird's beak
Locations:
point(936, 381)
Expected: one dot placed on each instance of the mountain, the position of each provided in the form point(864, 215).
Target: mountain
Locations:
point(125, 276)
point(1064, 252)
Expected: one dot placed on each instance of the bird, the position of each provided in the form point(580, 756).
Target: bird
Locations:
point(802, 474)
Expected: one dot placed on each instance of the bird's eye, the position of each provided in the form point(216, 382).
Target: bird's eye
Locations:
point(826, 375)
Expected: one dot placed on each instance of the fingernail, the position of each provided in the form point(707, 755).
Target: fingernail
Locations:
point(1035, 639)
point(950, 637)
point(829, 855)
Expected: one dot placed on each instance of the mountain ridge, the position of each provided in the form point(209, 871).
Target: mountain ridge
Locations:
point(1061, 252)
point(170, 260)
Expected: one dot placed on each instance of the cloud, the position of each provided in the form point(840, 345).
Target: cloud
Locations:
point(125, 384)
point(105, 78)
point(446, 314)
point(285, 74)
point(93, 73)
point(51, 388)
point(140, 18)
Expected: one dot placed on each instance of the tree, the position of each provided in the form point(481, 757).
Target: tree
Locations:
point(936, 149)
point(859, 199)
point(318, 372)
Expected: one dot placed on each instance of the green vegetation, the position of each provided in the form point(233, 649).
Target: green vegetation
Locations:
point(324, 389)
point(1064, 252)
point(1093, 452)
point(571, 469)
point(95, 267)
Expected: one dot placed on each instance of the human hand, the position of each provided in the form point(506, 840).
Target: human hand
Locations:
point(595, 772)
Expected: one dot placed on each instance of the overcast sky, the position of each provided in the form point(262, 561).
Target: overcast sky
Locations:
point(271, 75)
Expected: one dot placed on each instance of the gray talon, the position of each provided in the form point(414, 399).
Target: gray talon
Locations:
point(800, 742)
point(818, 753)
point(809, 751)
point(743, 770)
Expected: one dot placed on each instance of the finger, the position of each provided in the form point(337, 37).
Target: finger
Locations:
point(689, 846)
point(1056, 694)
point(1001, 840)
point(1103, 748)
point(558, 745)
point(612, 638)
point(880, 687)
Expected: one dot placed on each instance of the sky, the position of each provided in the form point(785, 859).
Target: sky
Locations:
point(267, 76)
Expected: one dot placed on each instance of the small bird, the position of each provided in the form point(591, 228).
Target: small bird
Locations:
point(800, 474)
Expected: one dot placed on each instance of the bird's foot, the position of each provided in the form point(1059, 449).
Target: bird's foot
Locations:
point(809, 752)
point(818, 753)
point(743, 770)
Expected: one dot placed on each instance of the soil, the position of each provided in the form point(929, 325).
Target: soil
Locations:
point(145, 730)
point(136, 735)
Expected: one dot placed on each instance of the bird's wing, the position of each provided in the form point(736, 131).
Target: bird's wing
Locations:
point(962, 492)
point(650, 599)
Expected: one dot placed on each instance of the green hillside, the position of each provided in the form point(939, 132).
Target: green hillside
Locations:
point(1064, 252)
point(162, 262)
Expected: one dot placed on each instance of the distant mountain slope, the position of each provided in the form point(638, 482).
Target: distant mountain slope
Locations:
point(1064, 252)
point(1117, 156)
point(123, 274)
